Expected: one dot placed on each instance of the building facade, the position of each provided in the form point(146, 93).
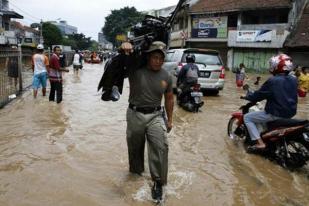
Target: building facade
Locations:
point(297, 43)
point(26, 36)
point(103, 43)
point(248, 32)
point(196, 28)
point(7, 34)
point(65, 28)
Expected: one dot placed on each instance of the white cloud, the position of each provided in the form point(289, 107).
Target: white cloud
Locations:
point(88, 16)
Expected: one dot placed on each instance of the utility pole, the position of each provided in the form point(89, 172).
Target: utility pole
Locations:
point(41, 32)
point(20, 67)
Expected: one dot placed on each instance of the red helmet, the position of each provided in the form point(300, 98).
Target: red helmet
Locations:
point(281, 63)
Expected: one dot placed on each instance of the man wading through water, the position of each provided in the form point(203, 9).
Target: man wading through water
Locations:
point(39, 66)
point(55, 76)
point(148, 84)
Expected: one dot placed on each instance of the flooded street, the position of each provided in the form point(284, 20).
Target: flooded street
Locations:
point(75, 154)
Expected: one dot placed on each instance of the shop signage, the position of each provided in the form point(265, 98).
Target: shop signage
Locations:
point(254, 36)
point(209, 27)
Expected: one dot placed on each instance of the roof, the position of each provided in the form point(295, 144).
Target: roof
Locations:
point(300, 36)
point(165, 12)
point(29, 29)
point(18, 25)
point(220, 6)
point(11, 14)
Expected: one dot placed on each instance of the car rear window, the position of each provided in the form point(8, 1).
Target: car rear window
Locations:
point(204, 58)
point(169, 56)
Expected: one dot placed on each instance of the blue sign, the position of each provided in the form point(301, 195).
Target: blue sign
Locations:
point(204, 33)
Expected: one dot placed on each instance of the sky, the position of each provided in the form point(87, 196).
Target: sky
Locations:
point(87, 15)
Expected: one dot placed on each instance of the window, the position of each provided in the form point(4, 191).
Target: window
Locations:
point(275, 16)
point(169, 56)
point(6, 26)
point(204, 58)
point(232, 20)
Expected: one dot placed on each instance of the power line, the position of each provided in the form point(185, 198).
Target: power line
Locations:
point(27, 14)
point(25, 22)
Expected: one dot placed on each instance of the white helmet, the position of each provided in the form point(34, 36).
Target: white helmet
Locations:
point(40, 47)
point(281, 63)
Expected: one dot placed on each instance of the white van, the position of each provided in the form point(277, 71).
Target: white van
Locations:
point(208, 61)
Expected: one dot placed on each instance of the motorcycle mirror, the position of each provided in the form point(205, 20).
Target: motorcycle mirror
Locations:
point(246, 87)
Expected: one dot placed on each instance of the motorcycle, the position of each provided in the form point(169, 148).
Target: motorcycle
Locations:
point(287, 140)
point(192, 99)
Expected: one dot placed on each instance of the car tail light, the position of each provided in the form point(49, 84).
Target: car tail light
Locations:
point(222, 74)
point(180, 65)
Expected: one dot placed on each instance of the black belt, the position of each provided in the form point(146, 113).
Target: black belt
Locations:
point(144, 110)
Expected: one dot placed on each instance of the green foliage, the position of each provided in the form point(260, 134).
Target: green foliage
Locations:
point(51, 34)
point(94, 46)
point(69, 42)
point(120, 21)
point(78, 41)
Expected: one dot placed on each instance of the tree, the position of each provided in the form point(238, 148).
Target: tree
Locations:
point(120, 21)
point(94, 46)
point(69, 42)
point(79, 41)
point(51, 34)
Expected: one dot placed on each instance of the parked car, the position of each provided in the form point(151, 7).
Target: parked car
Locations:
point(208, 61)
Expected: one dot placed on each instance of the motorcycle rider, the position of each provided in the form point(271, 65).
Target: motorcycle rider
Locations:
point(187, 77)
point(280, 91)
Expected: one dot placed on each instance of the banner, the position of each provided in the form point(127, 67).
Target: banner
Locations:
point(209, 27)
point(121, 37)
point(254, 36)
point(209, 33)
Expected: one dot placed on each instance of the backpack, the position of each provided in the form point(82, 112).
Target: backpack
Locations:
point(191, 74)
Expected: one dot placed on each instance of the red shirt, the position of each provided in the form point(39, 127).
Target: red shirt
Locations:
point(55, 74)
point(54, 62)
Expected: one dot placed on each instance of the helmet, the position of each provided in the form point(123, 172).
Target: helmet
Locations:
point(281, 63)
point(40, 47)
point(190, 58)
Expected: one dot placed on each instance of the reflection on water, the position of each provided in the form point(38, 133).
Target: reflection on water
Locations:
point(75, 154)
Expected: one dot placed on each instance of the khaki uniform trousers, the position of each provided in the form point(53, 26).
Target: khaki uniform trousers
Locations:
point(150, 127)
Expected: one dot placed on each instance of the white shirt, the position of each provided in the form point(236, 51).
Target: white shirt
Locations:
point(39, 61)
point(242, 70)
point(76, 60)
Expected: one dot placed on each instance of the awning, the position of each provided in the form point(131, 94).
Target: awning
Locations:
point(11, 14)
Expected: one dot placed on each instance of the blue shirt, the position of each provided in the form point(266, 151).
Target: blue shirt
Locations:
point(280, 91)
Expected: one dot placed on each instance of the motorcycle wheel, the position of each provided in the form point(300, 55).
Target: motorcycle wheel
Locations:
point(295, 155)
point(234, 131)
point(178, 100)
point(196, 108)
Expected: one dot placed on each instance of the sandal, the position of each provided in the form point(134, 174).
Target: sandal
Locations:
point(255, 150)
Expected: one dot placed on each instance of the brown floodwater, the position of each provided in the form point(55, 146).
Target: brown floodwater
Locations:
point(75, 154)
